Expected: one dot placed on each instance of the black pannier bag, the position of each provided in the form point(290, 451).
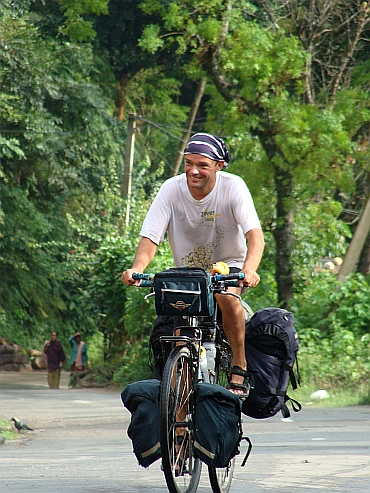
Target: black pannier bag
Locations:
point(183, 291)
point(217, 425)
point(271, 342)
point(142, 400)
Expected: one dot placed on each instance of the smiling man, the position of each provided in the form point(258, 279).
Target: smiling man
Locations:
point(208, 215)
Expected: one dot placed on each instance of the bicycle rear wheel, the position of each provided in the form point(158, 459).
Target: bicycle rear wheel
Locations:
point(220, 478)
point(181, 470)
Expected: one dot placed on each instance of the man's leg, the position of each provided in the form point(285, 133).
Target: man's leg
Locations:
point(234, 326)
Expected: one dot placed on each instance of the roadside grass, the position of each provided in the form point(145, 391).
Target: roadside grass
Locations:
point(337, 397)
point(6, 429)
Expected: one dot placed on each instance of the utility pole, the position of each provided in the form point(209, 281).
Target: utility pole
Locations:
point(356, 245)
point(129, 161)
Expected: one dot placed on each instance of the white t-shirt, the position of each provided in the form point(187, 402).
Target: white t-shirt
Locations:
point(202, 232)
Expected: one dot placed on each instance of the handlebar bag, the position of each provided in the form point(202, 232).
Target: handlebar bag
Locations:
point(142, 400)
point(185, 291)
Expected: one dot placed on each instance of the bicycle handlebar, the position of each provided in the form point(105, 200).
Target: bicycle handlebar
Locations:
point(147, 279)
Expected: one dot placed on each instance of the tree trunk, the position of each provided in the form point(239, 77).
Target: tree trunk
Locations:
point(364, 262)
point(121, 97)
point(189, 125)
point(284, 236)
point(357, 244)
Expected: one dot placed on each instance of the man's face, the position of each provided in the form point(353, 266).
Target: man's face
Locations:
point(201, 174)
point(54, 336)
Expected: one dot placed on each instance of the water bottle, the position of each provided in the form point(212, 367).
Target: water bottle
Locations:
point(211, 354)
point(203, 367)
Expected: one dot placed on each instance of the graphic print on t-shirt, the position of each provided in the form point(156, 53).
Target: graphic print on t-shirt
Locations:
point(209, 216)
point(202, 256)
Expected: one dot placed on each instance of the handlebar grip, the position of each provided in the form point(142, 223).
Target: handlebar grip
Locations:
point(137, 276)
point(146, 284)
point(232, 284)
point(146, 279)
point(226, 277)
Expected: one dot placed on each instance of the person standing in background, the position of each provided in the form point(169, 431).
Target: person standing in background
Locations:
point(55, 356)
point(78, 357)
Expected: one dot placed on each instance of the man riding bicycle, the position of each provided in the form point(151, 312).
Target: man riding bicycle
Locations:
point(208, 215)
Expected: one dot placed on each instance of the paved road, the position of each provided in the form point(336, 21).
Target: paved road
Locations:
point(80, 444)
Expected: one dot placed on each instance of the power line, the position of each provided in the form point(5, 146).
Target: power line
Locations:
point(160, 127)
point(60, 132)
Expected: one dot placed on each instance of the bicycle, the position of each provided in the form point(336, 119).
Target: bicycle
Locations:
point(181, 374)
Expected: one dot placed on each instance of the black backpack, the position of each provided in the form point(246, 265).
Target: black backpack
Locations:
point(164, 325)
point(271, 342)
point(142, 400)
point(217, 425)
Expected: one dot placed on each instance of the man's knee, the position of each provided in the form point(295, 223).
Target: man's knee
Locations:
point(229, 304)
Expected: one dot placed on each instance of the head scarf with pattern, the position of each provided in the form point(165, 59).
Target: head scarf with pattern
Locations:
point(209, 146)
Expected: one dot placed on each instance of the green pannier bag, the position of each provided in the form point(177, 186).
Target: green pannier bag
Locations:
point(142, 400)
point(184, 291)
point(217, 425)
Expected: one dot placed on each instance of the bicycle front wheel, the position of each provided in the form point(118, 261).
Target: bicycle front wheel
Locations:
point(221, 478)
point(181, 470)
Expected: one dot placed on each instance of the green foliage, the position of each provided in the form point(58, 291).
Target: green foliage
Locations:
point(76, 26)
point(330, 306)
point(6, 429)
point(150, 40)
point(55, 164)
point(324, 238)
point(135, 363)
point(117, 38)
point(333, 319)
point(341, 359)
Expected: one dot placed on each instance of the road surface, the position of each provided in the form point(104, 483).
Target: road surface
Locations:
point(79, 443)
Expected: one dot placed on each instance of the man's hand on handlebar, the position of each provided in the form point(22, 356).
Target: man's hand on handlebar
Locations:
point(127, 278)
point(251, 279)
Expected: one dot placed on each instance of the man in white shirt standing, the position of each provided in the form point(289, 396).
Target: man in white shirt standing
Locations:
point(208, 215)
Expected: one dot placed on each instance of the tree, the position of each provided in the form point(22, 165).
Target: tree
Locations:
point(265, 85)
point(336, 36)
point(56, 136)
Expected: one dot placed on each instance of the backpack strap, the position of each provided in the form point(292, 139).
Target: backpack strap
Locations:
point(298, 373)
point(295, 404)
point(292, 378)
point(284, 409)
point(247, 439)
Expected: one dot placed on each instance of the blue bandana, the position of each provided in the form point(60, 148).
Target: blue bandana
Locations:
point(209, 146)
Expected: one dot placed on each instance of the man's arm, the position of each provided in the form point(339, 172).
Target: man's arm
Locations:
point(256, 244)
point(144, 255)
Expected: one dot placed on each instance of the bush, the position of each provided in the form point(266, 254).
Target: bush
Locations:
point(135, 364)
point(333, 323)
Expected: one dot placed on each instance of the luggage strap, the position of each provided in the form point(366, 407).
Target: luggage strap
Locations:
point(247, 439)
